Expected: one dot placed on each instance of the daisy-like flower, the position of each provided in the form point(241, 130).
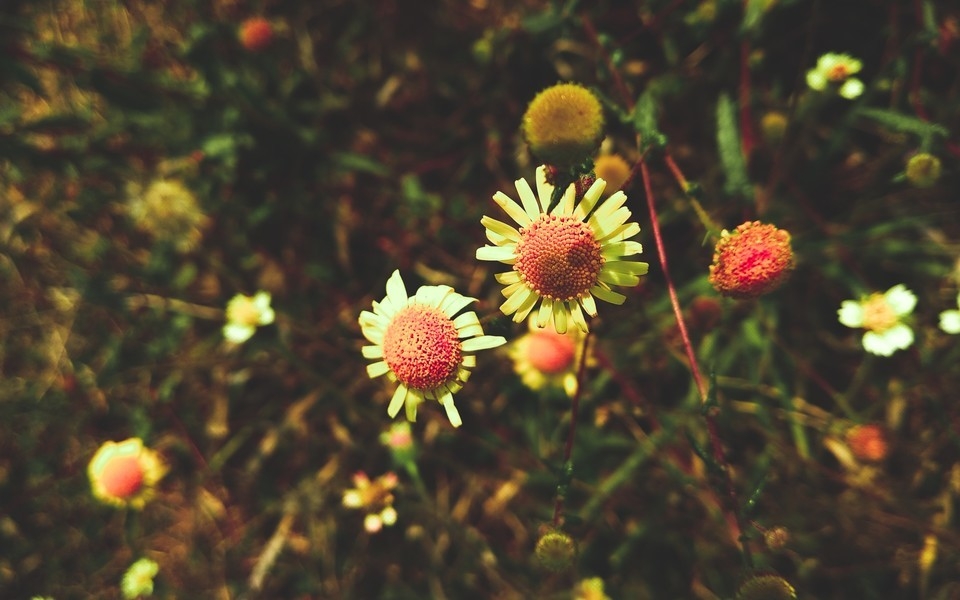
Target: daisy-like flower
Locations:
point(753, 260)
point(836, 70)
point(544, 358)
point(950, 319)
point(420, 344)
point(138, 580)
point(376, 497)
point(562, 260)
point(168, 211)
point(245, 314)
point(125, 473)
point(881, 315)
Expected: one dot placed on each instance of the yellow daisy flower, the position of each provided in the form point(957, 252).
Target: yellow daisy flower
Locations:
point(421, 345)
point(565, 258)
point(125, 473)
point(544, 358)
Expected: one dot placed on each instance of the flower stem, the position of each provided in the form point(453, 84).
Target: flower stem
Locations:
point(716, 447)
point(564, 483)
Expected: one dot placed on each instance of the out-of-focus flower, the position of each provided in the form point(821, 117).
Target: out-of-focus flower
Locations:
point(868, 442)
point(776, 537)
point(256, 33)
point(555, 550)
point(836, 70)
point(766, 586)
point(138, 580)
point(168, 211)
point(613, 169)
point(881, 315)
point(245, 314)
point(773, 126)
point(375, 497)
point(950, 319)
point(420, 344)
point(923, 170)
point(544, 358)
point(125, 473)
point(751, 261)
point(590, 589)
point(563, 124)
point(563, 259)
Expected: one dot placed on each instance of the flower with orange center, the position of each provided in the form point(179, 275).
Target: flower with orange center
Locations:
point(256, 34)
point(374, 496)
point(420, 344)
point(125, 473)
point(544, 358)
point(565, 258)
point(868, 442)
point(836, 70)
point(881, 315)
point(751, 261)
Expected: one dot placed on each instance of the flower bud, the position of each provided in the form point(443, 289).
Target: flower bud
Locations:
point(555, 550)
point(751, 261)
point(868, 442)
point(923, 170)
point(563, 125)
point(256, 34)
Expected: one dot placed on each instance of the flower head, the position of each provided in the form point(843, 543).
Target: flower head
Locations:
point(836, 70)
point(923, 170)
point(555, 550)
point(544, 358)
point(751, 261)
point(881, 315)
point(565, 258)
point(613, 169)
point(376, 497)
point(256, 33)
point(563, 124)
point(590, 589)
point(138, 580)
point(125, 473)
point(766, 586)
point(168, 211)
point(420, 344)
point(245, 314)
point(868, 442)
point(950, 319)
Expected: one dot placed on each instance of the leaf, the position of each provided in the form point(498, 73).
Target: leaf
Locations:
point(351, 161)
point(645, 120)
point(904, 123)
point(731, 155)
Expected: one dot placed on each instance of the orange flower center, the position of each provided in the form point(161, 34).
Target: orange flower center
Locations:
point(421, 347)
point(878, 315)
point(558, 257)
point(838, 73)
point(550, 352)
point(122, 477)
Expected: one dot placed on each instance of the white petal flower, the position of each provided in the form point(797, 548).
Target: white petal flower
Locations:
point(851, 313)
point(882, 316)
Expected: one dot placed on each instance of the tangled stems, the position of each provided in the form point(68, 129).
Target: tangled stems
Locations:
point(709, 414)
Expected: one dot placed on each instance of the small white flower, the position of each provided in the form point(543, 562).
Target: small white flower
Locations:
point(881, 315)
point(950, 319)
point(836, 70)
point(245, 314)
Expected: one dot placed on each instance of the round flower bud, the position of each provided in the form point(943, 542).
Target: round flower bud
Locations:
point(555, 550)
point(773, 125)
point(256, 33)
point(766, 586)
point(868, 442)
point(776, 537)
point(613, 169)
point(923, 170)
point(563, 125)
point(751, 261)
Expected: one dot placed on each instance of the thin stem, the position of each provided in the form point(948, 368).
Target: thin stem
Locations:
point(716, 447)
point(564, 483)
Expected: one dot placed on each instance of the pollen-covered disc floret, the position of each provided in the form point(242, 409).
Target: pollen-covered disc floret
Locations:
point(420, 343)
point(565, 258)
point(751, 261)
point(563, 124)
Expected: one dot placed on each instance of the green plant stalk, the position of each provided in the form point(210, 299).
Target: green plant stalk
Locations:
point(565, 476)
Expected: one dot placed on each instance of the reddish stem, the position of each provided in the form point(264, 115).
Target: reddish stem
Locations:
point(748, 137)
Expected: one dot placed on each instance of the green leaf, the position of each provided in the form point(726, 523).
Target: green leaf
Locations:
point(731, 155)
point(350, 161)
point(904, 123)
point(645, 120)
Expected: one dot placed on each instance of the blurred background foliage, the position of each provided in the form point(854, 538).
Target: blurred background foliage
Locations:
point(369, 136)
